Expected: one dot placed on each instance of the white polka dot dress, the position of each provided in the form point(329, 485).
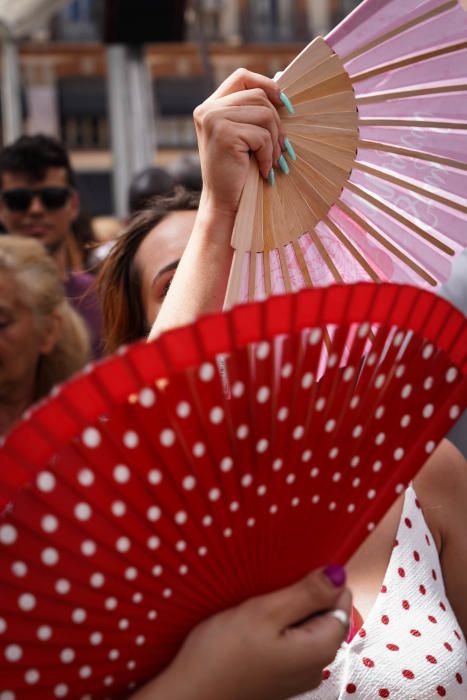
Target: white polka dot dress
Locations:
point(410, 646)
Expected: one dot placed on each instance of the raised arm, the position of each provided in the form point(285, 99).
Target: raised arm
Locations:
point(238, 121)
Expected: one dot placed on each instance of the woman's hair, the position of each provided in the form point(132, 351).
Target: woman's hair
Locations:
point(40, 288)
point(147, 184)
point(119, 283)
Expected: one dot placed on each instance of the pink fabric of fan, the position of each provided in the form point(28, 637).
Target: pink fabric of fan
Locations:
point(222, 461)
point(378, 190)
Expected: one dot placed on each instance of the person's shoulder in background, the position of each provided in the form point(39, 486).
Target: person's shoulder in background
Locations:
point(80, 290)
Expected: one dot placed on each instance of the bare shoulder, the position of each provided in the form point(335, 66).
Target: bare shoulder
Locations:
point(441, 487)
point(442, 481)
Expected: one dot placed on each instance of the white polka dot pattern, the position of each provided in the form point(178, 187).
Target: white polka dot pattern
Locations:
point(177, 501)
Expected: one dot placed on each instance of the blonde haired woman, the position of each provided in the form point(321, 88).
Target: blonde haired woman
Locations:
point(43, 341)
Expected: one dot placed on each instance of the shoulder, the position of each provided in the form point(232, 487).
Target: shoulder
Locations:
point(79, 281)
point(81, 291)
point(441, 487)
point(442, 491)
point(444, 474)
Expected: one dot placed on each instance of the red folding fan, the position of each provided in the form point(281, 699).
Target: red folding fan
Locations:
point(378, 187)
point(223, 460)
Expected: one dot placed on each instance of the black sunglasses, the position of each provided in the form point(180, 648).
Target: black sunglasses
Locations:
point(20, 199)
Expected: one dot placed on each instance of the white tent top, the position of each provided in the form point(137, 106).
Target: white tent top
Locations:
point(21, 16)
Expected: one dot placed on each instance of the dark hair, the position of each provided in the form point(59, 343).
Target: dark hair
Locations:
point(146, 184)
point(33, 155)
point(118, 281)
point(186, 171)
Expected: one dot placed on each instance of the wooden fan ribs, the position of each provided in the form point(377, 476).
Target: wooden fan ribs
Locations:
point(412, 153)
point(407, 184)
point(410, 60)
point(283, 212)
point(387, 244)
point(435, 12)
point(378, 203)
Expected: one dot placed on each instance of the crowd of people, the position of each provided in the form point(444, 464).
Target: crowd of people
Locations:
point(169, 264)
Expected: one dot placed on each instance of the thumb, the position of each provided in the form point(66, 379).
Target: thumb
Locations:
point(316, 592)
point(321, 636)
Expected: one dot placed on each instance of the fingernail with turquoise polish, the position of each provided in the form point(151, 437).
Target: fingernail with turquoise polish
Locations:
point(271, 177)
point(287, 103)
point(289, 149)
point(283, 165)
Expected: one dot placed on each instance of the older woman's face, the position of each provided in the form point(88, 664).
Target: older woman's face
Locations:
point(158, 256)
point(21, 342)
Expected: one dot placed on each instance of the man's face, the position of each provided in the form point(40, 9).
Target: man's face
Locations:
point(49, 224)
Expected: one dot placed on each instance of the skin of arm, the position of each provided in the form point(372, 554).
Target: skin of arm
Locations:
point(253, 651)
point(442, 490)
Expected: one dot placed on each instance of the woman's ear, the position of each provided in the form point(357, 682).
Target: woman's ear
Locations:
point(51, 332)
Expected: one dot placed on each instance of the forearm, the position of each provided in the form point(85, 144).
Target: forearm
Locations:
point(164, 686)
point(174, 683)
point(200, 282)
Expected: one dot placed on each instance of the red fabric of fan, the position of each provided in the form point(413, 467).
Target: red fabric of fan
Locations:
point(224, 460)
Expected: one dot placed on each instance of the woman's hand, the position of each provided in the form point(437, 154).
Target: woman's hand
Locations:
point(238, 119)
point(258, 651)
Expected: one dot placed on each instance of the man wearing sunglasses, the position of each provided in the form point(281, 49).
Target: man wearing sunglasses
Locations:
point(38, 199)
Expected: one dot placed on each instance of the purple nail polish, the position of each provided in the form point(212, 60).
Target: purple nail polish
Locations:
point(336, 574)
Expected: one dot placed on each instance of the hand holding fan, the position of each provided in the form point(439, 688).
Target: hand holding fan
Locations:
point(222, 461)
point(377, 191)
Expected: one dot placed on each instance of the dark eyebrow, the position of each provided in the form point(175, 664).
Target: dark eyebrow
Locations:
point(168, 268)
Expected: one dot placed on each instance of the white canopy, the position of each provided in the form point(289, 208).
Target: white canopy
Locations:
point(21, 16)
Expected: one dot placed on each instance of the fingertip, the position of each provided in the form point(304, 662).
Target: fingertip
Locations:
point(278, 95)
point(283, 165)
point(335, 575)
point(290, 149)
point(274, 93)
point(344, 600)
point(277, 152)
point(287, 103)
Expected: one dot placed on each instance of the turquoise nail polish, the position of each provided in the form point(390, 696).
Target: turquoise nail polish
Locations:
point(290, 149)
point(287, 103)
point(283, 165)
point(272, 177)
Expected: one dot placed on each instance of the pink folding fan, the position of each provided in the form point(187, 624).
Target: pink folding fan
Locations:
point(378, 189)
point(224, 460)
